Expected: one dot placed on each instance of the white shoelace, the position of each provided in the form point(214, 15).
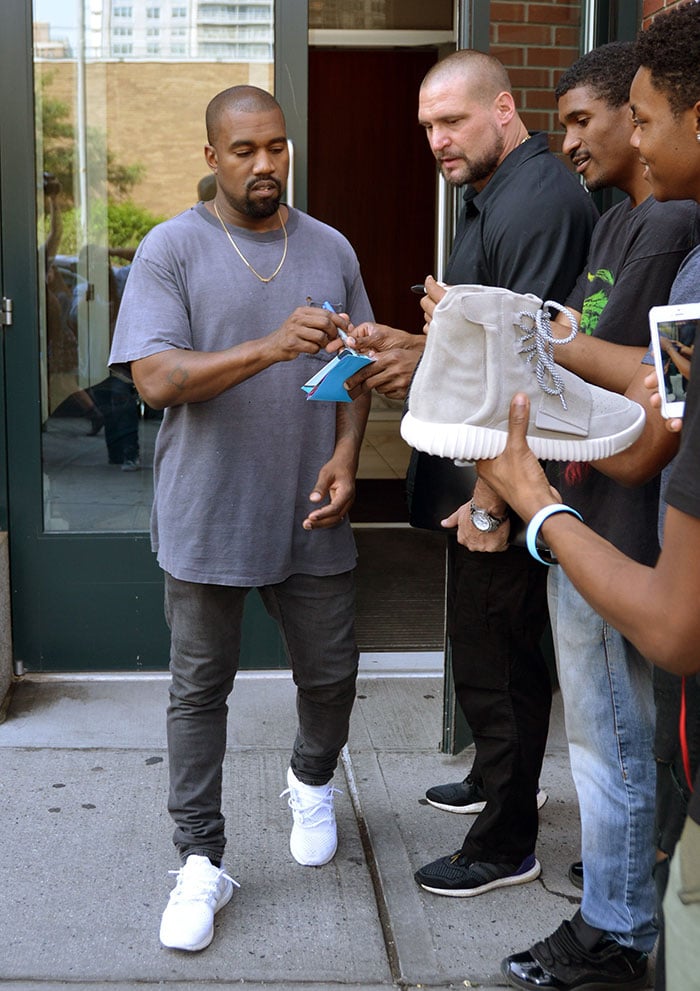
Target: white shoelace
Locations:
point(539, 342)
point(203, 891)
point(304, 810)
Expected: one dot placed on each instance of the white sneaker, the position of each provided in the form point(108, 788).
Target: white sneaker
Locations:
point(485, 344)
point(201, 890)
point(314, 838)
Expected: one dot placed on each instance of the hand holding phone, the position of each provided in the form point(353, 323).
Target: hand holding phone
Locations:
point(673, 326)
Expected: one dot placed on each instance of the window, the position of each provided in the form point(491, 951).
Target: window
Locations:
point(153, 12)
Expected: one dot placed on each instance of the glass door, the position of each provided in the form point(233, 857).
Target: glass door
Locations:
point(107, 126)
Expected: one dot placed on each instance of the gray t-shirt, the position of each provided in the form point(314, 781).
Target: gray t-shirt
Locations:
point(232, 475)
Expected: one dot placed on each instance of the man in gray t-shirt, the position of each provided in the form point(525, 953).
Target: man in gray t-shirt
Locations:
point(253, 482)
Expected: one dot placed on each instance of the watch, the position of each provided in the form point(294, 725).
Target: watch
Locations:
point(484, 521)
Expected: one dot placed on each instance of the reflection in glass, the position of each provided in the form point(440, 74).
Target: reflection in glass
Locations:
point(381, 15)
point(121, 90)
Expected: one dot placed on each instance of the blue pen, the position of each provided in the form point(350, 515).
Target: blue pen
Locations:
point(341, 333)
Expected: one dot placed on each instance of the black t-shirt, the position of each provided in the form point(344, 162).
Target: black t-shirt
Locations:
point(634, 258)
point(683, 491)
point(527, 230)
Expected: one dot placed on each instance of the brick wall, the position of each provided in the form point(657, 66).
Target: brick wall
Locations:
point(652, 7)
point(536, 42)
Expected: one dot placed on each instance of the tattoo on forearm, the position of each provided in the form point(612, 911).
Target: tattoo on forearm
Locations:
point(178, 377)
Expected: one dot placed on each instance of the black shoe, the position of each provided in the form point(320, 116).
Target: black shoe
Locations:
point(97, 421)
point(459, 878)
point(577, 957)
point(576, 874)
point(461, 796)
point(465, 797)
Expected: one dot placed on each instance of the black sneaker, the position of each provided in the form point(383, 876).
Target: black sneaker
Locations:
point(577, 957)
point(465, 797)
point(459, 878)
point(576, 874)
point(460, 796)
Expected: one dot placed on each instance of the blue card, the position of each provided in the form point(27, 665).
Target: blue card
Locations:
point(327, 385)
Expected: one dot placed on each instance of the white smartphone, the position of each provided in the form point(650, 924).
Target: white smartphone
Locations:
point(673, 330)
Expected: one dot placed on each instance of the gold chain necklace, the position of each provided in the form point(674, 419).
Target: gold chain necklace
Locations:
point(243, 257)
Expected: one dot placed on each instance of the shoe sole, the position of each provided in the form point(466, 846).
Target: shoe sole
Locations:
point(500, 882)
point(315, 863)
point(516, 982)
point(465, 442)
point(472, 809)
point(477, 807)
point(203, 943)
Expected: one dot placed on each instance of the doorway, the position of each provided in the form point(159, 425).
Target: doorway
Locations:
point(371, 176)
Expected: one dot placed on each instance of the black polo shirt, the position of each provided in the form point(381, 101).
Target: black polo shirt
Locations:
point(527, 230)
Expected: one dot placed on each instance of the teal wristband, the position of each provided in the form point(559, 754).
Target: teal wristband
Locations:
point(535, 525)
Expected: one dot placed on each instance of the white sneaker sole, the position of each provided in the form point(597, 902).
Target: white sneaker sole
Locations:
point(499, 882)
point(476, 807)
point(468, 810)
point(307, 861)
point(466, 442)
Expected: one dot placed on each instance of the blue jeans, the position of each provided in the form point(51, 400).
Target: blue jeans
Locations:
point(316, 618)
point(606, 688)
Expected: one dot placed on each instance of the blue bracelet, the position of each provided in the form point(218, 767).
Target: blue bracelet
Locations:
point(535, 525)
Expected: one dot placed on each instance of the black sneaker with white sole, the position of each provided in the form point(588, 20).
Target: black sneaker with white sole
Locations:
point(577, 957)
point(459, 796)
point(465, 797)
point(458, 877)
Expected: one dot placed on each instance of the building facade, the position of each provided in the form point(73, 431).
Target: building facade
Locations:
point(108, 100)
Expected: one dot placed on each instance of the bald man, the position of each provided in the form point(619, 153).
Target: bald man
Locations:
point(253, 483)
point(525, 226)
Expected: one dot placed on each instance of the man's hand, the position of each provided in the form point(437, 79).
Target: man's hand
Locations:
point(434, 293)
point(389, 374)
point(307, 330)
point(516, 475)
point(375, 338)
point(675, 424)
point(473, 539)
point(337, 484)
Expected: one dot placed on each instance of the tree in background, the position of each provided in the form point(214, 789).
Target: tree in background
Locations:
point(114, 217)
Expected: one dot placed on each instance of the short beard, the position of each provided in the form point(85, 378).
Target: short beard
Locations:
point(258, 210)
point(478, 169)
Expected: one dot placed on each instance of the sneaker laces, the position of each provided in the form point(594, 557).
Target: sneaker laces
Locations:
point(306, 810)
point(539, 342)
point(199, 889)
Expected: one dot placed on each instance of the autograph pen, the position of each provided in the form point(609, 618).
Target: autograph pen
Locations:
point(341, 333)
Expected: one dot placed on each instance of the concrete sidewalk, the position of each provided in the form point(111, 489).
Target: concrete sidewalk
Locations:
point(84, 874)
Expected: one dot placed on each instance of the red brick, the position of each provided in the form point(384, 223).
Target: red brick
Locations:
point(553, 13)
point(539, 98)
point(505, 11)
point(652, 6)
point(525, 34)
point(508, 55)
point(551, 57)
point(567, 37)
point(536, 120)
point(529, 77)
